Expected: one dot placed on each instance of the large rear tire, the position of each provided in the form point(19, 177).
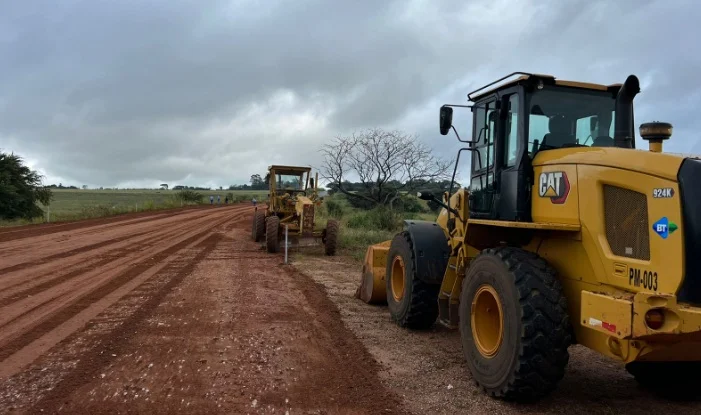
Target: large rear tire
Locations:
point(331, 237)
point(412, 303)
point(514, 325)
point(258, 226)
point(272, 226)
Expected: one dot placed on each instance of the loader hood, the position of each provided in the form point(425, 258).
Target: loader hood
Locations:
point(664, 165)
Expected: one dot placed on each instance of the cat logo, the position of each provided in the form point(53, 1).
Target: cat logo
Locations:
point(555, 185)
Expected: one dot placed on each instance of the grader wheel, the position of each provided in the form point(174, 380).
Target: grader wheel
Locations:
point(514, 325)
point(412, 303)
point(331, 237)
point(258, 226)
point(272, 241)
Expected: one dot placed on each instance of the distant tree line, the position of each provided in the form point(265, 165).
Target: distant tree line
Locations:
point(179, 187)
point(257, 182)
point(60, 186)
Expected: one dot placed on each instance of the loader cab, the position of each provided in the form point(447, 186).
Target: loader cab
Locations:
point(516, 121)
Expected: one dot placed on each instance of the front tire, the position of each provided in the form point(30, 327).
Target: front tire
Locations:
point(514, 324)
point(272, 226)
point(412, 303)
point(258, 226)
point(331, 237)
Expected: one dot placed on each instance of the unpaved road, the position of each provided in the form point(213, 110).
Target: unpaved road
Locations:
point(427, 368)
point(174, 312)
point(179, 312)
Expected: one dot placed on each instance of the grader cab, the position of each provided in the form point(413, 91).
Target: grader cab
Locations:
point(292, 206)
point(568, 234)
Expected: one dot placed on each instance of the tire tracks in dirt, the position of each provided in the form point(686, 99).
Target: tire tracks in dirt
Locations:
point(44, 229)
point(40, 246)
point(114, 342)
point(210, 323)
point(83, 260)
point(26, 336)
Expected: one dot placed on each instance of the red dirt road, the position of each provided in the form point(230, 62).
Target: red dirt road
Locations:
point(175, 312)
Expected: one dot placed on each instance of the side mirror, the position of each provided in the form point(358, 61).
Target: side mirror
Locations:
point(424, 196)
point(446, 119)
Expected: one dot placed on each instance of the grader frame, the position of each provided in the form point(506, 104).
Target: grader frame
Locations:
point(293, 199)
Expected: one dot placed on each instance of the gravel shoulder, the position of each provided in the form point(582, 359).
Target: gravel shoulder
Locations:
point(427, 369)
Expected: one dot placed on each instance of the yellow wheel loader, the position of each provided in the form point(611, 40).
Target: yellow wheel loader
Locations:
point(293, 199)
point(567, 234)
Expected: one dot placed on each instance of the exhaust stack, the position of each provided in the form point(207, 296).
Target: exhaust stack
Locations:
point(624, 132)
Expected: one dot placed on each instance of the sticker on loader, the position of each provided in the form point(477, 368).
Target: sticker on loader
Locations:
point(595, 322)
point(554, 185)
point(664, 227)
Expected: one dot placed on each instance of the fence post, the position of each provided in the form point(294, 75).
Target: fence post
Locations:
point(286, 227)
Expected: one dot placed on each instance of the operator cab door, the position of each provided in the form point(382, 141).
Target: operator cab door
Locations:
point(513, 163)
point(482, 177)
point(499, 185)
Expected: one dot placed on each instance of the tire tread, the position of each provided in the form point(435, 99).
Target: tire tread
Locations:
point(546, 334)
point(331, 242)
point(423, 308)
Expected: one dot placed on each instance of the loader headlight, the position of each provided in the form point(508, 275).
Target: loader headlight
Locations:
point(654, 319)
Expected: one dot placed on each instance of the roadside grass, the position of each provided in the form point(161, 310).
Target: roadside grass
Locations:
point(362, 228)
point(78, 204)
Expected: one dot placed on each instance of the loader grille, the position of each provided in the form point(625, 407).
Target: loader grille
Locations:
point(625, 215)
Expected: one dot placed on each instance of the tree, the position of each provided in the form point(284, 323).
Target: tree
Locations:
point(386, 162)
point(20, 189)
point(164, 186)
point(85, 186)
point(257, 182)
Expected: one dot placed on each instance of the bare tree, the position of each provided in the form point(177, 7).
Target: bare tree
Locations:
point(387, 163)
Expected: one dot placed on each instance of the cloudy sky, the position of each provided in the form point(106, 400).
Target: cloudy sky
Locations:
point(137, 93)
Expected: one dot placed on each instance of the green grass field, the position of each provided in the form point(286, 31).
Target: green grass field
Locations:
point(70, 201)
point(362, 228)
point(75, 204)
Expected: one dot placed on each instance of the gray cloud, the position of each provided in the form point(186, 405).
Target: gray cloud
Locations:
point(148, 92)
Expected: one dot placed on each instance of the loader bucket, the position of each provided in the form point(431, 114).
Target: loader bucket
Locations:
point(373, 288)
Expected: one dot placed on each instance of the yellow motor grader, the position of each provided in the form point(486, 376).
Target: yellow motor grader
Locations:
point(567, 234)
point(293, 198)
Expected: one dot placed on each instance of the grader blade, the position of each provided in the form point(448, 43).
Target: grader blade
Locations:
point(373, 288)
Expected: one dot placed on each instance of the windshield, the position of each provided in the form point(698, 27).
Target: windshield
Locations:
point(289, 181)
point(567, 117)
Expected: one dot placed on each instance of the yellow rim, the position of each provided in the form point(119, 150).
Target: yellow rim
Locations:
point(487, 321)
point(397, 278)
